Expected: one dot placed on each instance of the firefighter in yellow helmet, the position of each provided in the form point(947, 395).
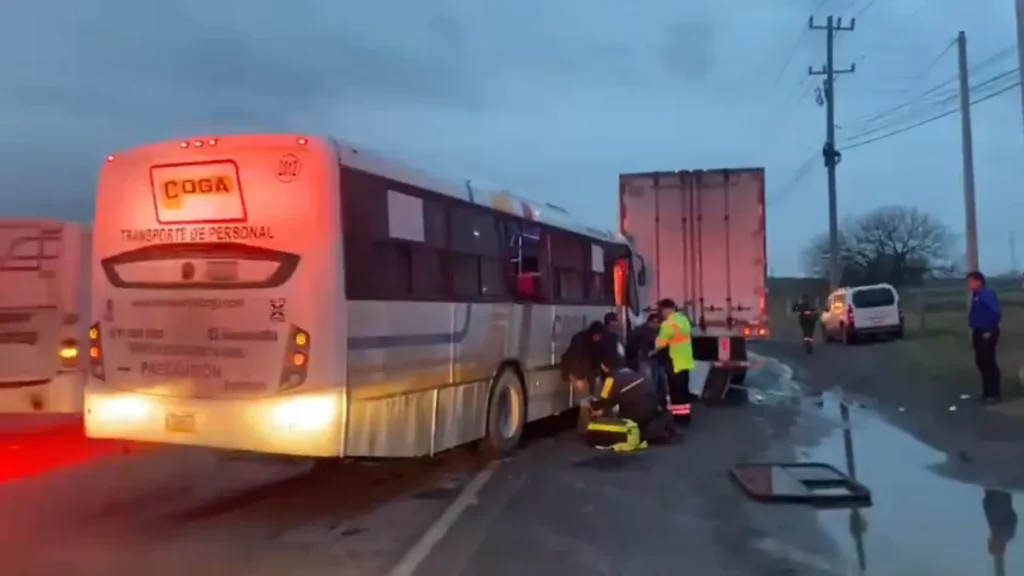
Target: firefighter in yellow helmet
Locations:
point(674, 336)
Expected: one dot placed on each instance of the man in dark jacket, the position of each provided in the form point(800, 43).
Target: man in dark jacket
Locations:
point(579, 362)
point(640, 342)
point(641, 358)
point(807, 315)
point(635, 396)
point(984, 318)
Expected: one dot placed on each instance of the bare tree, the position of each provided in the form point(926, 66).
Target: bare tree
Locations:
point(896, 244)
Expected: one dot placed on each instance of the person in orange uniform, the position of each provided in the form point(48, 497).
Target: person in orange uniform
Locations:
point(674, 336)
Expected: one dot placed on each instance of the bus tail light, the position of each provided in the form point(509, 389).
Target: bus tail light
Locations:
point(96, 353)
point(296, 359)
point(68, 353)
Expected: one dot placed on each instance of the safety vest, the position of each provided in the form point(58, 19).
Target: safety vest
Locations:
point(674, 334)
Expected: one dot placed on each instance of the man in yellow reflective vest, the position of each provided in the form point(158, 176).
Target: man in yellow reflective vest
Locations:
point(674, 336)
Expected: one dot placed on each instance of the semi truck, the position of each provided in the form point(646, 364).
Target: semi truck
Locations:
point(702, 235)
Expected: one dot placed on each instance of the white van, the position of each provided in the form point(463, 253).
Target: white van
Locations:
point(852, 314)
point(43, 297)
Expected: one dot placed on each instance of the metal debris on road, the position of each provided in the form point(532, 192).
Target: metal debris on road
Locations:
point(812, 483)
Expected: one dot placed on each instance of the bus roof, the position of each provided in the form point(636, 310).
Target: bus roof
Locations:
point(349, 154)
point(483, 194)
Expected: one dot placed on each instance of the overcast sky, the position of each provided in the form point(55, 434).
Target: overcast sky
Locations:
point(550, 98)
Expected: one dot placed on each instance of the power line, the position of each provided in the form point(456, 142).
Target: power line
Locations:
point(865, 8)
point(917, 80)
point(910, 109)
point(930, 120)
point(933, 104)
point(798, 175)
point(792, 53)
point(871, 118)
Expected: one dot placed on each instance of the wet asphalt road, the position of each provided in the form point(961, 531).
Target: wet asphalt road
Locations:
point(557, 507)
point(563, 509)
point(188, 511)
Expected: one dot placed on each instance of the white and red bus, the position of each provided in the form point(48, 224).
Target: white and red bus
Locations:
point(296, 295)
point(44, 267)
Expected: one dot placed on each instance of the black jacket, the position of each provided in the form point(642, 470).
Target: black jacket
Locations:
point(579, 360)
point(806, 313)
point(635, 396)
point(639, 345)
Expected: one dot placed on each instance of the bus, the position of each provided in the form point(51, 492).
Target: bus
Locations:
point(297, 295)
point(44, 266)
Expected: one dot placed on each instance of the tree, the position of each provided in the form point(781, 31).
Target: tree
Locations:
point(900, 245)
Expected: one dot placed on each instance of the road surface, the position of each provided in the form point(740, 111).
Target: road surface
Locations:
point(556, 508)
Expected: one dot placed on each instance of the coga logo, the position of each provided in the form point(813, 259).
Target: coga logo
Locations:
point(197, 192)
point(175, 191)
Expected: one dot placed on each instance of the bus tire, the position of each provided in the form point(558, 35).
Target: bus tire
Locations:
point(506, 415)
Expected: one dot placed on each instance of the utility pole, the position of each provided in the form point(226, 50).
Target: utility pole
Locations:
point(1020, 47)
point(967, 152)
point(831, 155)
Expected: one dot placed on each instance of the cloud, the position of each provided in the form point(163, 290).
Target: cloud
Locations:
point(549, 97)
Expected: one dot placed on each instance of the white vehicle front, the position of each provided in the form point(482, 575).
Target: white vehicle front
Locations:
point(43, 292)
point(215, 289)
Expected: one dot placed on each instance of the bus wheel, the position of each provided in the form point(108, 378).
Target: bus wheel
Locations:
point(506, 415)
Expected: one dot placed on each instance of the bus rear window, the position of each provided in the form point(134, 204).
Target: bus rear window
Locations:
point(200, 266)
point(873, 298)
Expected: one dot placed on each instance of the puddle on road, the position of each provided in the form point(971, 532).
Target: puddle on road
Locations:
point(920, 522)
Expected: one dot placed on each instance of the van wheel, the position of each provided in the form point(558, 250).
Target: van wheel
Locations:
point(506, 415)
point(825, 338)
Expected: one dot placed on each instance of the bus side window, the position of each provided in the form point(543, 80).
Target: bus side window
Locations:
point(523, 250)
point(569, 264)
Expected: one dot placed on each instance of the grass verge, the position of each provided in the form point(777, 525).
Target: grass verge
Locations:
point(941, 349)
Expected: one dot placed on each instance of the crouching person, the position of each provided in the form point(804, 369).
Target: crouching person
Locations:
point(636, 399)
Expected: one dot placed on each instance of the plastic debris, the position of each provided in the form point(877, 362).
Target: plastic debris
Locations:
point(952, 408)
point(902, 409)
point(965, 396)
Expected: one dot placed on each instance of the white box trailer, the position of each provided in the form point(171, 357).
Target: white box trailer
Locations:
point(44, 283)
point(702, 235)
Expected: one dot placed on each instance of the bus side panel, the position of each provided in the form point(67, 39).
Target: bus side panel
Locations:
point(399, 355)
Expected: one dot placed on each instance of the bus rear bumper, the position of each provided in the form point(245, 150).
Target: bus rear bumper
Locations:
point(306, 424)
point(61, 394)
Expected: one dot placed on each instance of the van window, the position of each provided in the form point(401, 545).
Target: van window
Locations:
point(874, 298)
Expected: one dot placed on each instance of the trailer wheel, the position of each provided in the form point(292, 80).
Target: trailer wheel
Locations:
point(506, 415)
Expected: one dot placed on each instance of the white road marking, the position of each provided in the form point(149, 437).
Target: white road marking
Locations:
point(429, 540)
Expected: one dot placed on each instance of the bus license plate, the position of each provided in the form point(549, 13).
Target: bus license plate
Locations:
point(181, 423)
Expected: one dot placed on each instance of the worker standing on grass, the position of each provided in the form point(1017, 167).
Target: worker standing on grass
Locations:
point(675, 336)
point(984, 318)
